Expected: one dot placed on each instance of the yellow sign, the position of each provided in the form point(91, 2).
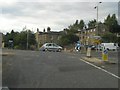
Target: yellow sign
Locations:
point(105, 55)
point(97, 41)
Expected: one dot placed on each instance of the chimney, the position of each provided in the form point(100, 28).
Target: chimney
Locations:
point(37, 29)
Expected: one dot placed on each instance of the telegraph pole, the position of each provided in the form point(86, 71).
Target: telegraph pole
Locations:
point(37, 38)
point(27, 38)
point(25, 28)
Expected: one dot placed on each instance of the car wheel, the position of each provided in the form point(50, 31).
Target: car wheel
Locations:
point(113, 49)
point(43, 50)
point(46, 49)
point(59, 50)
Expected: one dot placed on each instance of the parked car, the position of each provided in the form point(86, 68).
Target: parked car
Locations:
point(108, 46)
point(99, 47)
point(93, 47)
point(51, 47)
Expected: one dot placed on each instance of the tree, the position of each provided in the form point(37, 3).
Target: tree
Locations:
point(48, 29)
point(20, 39)
point(76, 26)
point(107, 21)
point(76, 23)
point(109, 37)
point(10, 36)
point(111, 23)
point(92, 23)
point(115, 29)
point(114, 19)
point(81, 24)
point(31, 39)
point(68, 39)
point(73, 29)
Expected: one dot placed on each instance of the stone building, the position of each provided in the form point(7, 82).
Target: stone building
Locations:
point(1, 41)
point(91, 36)
point(47, 37)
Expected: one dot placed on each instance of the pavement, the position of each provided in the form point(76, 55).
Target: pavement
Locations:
point(7, 52)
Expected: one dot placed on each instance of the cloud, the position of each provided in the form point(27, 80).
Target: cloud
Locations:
point(57, 15)
point(4, 3)
point(63, 0)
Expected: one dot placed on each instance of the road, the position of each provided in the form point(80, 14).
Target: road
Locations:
point(35, 69)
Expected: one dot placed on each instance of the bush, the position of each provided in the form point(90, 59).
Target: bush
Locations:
point(32, 47)
point(16, 47)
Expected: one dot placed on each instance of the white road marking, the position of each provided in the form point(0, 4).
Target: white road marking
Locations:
point(101, 69)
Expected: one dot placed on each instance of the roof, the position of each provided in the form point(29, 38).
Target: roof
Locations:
point(51, 32)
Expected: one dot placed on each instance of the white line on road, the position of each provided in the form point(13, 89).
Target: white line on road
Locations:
point(101, 69)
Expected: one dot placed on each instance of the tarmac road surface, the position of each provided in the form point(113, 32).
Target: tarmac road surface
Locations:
point(35, 69)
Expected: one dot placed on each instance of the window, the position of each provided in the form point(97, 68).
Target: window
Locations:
point(48, 45)
point(83, 37)
point(114, 44)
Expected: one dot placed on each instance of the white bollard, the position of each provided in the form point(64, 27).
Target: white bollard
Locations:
point(89, 52)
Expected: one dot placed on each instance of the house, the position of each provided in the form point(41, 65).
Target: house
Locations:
point(47, 37)
point(91, 36)
point(0, 40)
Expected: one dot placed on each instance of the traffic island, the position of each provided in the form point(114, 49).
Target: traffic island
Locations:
point(93, 60)
point(110, 62)
point(97, 61)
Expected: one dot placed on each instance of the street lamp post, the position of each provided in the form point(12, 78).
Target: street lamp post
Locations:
point(96, 7)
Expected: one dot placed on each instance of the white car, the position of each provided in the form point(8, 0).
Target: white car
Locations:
point(51, 47)
point(108, 46)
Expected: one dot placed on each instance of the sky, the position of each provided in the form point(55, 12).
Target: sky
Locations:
point(57, 14)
